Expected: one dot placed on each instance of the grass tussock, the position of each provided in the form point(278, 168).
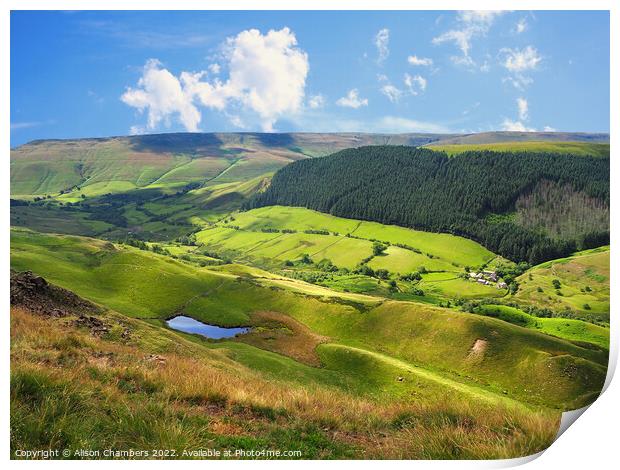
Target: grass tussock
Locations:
point(72, 390)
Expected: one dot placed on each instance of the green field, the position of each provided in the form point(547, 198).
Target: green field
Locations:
point(447, 247)
point(574, 330)
point(574, 148)
point(450, 285)
point(583, 288)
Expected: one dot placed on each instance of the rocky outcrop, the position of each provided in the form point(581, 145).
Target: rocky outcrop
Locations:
point(34, 293)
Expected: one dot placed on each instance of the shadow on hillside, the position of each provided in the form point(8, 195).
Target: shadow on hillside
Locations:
point(182, 142)
point(275, 140)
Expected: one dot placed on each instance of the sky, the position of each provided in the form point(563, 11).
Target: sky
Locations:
point(97, 74)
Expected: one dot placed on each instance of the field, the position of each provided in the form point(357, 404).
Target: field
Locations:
point(442, 248)
point(574, 148)
point(583, 284)
point(574, 330)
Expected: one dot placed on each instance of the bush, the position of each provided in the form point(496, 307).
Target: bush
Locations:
point(378, 248)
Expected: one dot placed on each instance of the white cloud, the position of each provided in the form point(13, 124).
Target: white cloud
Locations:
point(382, 40)
point(352, 100)
point(415, 83)
point(515, 126)
point(470, 24)
point(316, 101)
point(523, 115)
point(521, 26)
point(237, 121)
point(214, 69)
point(267, 78)
point(399, 124)
point(393, 93)
point(25, 125)
point(422, 61)
point(413, 86)
point(518, 61)
point(522, 106)
point(137, 130)
point(481, 17)
point(160, 93)
point(548, 129)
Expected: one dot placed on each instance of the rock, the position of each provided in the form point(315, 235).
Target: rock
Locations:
point(400, 379)
point(156, 359)
point(96, 326)
point(35, 294)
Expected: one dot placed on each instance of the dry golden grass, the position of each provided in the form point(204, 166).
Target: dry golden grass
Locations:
point(122, 394)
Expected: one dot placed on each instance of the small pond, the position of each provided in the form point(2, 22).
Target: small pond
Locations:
point(189, 325)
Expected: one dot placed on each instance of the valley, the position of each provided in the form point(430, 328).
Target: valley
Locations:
point(383, 296)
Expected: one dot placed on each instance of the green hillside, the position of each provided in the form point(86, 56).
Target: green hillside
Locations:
point(144, 285)
point(582, 284)
point(367, 337)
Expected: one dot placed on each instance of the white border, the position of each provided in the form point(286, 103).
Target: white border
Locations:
point(592, 443)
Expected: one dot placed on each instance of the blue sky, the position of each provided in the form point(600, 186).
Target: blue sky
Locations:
point(91, 74)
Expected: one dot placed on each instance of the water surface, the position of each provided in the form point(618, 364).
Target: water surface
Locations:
point(189, 325)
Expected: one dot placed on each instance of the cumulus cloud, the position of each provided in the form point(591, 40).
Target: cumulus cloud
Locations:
point(316, 101)
point(267, 78)
point(470, 24)
point(422, 61)
point(521, 26)
point(548, 129)
point(161, 95)
point(214, 68)
point(522, 106)
point(382, 39)
point(352, 100)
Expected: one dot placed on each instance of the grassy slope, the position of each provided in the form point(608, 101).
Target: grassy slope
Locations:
point(589, 269)
point(145, 285)
point(575, 148)
point(116, 165)
point(166, 161)
point(574, 330)
point(72, 390)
